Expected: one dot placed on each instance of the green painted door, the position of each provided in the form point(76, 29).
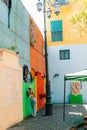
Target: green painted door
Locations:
point(27, 111)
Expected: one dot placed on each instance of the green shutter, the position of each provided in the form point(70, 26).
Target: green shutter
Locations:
point(56, 30)
point(56, 25)
point(57, 36)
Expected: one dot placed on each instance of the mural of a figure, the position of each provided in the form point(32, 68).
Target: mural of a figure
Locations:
point(25, 72)
point(75, 88)
point(27, 76)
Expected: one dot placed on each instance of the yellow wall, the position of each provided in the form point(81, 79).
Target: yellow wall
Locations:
point(69, 35)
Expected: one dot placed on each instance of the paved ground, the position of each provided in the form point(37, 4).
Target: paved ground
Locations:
point(73, 116)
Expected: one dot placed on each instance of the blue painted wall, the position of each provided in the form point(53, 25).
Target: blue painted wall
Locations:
point(18, 33)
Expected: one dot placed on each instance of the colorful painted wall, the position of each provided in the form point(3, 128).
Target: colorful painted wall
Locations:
point(77, 46)
point(40, 91)
point(14, 31)
point(17, 33)
point(27, 110)
point(37, 61)
point(36, 49)
point(10, 89)
point(69, 35)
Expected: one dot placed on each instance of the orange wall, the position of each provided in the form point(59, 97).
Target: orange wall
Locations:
point(40, 90)
point(37, 61)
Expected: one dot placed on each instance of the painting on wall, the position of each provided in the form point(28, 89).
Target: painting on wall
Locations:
point(75, 87)
point(32, 33)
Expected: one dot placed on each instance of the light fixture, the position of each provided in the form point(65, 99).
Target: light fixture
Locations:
point(55, 5)
point(56, 8)
point(39, 6)
point(49, 13)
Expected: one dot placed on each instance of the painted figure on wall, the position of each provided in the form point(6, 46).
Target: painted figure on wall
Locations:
point(32, 101)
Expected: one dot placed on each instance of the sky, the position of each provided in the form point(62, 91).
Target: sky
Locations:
point(31, 7)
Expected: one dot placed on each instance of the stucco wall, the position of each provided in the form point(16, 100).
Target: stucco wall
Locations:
point(77, 62)
point(68, 29)
point(10, 89)
point(18, 33)
point(78, 51)
point(37, 60)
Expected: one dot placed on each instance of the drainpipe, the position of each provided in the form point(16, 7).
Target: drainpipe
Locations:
point(9, 10)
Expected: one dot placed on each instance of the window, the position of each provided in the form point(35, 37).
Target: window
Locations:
point(62, 2)
point(56, 31)
point(64, 54)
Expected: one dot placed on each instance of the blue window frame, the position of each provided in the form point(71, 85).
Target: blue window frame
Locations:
point(64, 54)
point(56, 31)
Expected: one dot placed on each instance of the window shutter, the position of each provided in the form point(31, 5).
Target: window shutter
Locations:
point(56, 30)
point(56, 26)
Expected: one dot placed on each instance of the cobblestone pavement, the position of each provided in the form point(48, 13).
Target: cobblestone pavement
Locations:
point(73, 116)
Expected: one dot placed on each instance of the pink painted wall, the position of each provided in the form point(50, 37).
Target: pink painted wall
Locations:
point(10, 89)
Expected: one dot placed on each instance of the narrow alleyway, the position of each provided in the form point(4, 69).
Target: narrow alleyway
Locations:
point(73, 116)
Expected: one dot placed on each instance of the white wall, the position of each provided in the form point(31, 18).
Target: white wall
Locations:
point(76, 62)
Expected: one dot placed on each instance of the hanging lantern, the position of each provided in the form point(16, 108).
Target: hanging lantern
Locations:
point(49, 13)
point(57, 8)
point(39, 6)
